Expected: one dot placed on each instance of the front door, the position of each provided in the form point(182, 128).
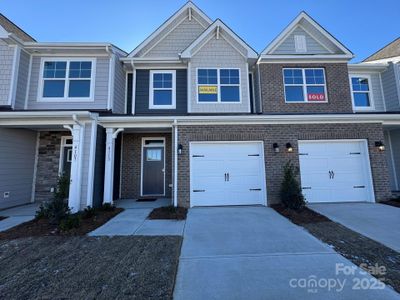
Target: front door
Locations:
point(153, 167)
point(66, 156)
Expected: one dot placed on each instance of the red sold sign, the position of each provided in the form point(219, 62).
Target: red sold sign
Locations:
point(316, 97)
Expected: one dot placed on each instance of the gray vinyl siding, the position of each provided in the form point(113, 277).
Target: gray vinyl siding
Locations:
point(288, 45)
point(177, 40)
point(6, 65)
point(17, 160)
point(119, 88)
point(22, 83)
point(142, 94)
point(390, 89)
point(393, 156)
point(218, 53)
point(100, 90)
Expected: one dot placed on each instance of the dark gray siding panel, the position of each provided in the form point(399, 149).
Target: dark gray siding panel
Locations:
point(17, 160)
point(98, 184)
point(129, 94)
point(142, 94)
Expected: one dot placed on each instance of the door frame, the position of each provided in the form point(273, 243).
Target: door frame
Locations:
point(144, 139)
point(63, 146)
point(367, 160)
point(259, 142)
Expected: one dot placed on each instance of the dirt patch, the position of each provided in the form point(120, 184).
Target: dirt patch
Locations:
point(168, 212)
point(395, 203)
point(359, 249)
point(2, 218)
point(89, 268)
point(42, 227)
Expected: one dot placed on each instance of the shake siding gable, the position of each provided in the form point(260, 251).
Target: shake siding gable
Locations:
point(119, 88)
point(390, 90)
point(6, 64)
point(100, 90)
point(218, 53)
point(22, 83)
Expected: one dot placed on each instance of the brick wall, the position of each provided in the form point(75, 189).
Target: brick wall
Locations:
point(131, 163)
point(274, 162)
point(48, 164)
point(337, 83)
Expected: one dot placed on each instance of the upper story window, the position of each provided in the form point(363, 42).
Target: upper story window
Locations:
point(305, 85)
point(162, 89)
point(63, 79)
point(361, 93)
point(218, 85)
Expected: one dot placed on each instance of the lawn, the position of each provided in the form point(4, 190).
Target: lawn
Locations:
point(88, 268)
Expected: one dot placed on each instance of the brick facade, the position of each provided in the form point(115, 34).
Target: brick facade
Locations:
point(337, 83)
point(274, 162)
point(48, 163)
point(131, 164)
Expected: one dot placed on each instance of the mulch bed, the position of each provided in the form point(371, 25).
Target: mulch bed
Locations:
point(42, 227)
point(168, 213)
point(350, 244)
point(2, 218)
point(395, 203)
point(132, 267)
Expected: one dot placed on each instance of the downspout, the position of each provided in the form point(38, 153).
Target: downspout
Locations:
point(175, 163)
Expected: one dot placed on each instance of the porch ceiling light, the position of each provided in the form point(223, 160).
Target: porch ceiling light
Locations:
point(276, 147)
point(380, 146)
point(289, 147)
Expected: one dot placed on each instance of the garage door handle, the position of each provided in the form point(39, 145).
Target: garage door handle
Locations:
point(197, 155)
point(253, 155)
point(199, 191)
point(306, 187)
point(355, 153)
point(359, 187)
point(255, 190)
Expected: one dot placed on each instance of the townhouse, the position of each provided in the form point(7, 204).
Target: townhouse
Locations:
point(194, 114)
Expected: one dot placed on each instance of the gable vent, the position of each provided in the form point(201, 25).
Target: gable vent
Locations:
point(300, 44)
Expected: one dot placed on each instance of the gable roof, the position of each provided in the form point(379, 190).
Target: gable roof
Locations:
point(8, 26)
point(187, 53)
point(304, 17)
point(189, 5)
point(390, 50)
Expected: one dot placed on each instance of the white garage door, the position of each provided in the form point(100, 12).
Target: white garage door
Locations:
point(335, 171)
point(227, 174)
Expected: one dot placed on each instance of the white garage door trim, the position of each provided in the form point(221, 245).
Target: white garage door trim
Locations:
point(262, 158)
point(364, 142)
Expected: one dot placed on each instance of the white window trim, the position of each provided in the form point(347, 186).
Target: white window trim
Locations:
point(219, 86)
point(304, 85)
point(40, 97)
point(370, 93)
point(151, 90)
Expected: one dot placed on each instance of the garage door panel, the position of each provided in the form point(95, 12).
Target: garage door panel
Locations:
point(335, 171)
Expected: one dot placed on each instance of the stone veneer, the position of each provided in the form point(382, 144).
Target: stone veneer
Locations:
point(48, 163)
point(274, 162)
point(131, 164)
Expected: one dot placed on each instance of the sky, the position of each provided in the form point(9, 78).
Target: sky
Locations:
point(364, 26)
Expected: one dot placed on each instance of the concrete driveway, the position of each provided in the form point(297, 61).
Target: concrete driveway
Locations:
point(17, 215)
point(379, 222)
point(254, 253)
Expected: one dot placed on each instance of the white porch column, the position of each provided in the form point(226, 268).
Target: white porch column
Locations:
point(111, 135)
point(74, 198)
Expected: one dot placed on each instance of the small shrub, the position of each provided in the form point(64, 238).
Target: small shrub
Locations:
point(70, 222)
point(290, 193)
point(168, 212)
point(89, 212)
point(107, 207)
point(41, 213)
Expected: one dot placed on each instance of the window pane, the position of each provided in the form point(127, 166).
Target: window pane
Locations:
point(54, 69)
point(162, 97)
point(208, 97)
point(293, 76)
point(294, 93)
point(207, 76)
point(316, 93)
point(361, 99)
point(229, 76)
point(79, 88)
point(314, 76)
point(360, 84)
point(53, 88)
point(162, 80)
point(230, 94)
point(153, 154)
point(80, 69)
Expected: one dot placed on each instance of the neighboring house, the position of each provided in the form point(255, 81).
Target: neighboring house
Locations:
point(193, 114)
point(375, 86)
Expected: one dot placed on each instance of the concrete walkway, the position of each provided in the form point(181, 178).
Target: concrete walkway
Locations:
point(133, 221)
point(379, 222)
point(17, 215)
point(254, 253)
